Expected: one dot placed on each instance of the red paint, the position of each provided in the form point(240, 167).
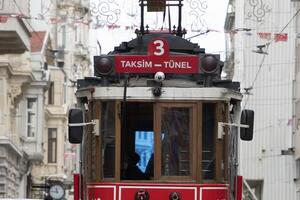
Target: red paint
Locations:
point(158, 59)
point(238, 187)
point(76, 186)
point(127, 191)
point(161, 192)
point(102, 192)
point(214, 193)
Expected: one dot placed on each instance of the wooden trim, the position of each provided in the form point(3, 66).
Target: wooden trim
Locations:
point(98, 144)
point(198, 143)
point(166, 180)
point(117, 141)
point(157, 139)
point(89, 151)
point(193, 138)
point(226, 140)
point(177, 178)
point(218, 143)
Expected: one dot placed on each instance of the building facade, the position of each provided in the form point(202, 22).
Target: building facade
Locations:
point(261, 54)
point(296, 136)
point(67, 22)
point(15, 75)
point(42, 52)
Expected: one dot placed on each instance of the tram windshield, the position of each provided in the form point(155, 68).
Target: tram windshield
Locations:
point(161, 141)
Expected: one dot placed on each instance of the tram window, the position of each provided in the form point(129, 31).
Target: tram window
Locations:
point(137, 142)
point(108, 139)
point(208, 141)
point(175, 155)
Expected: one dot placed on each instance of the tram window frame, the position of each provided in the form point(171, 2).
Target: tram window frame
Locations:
point(192, 177)
point(220, 145)
point(98, 138)
point(140, 118)
point(108, 140)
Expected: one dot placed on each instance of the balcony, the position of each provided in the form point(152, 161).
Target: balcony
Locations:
point(14, 36)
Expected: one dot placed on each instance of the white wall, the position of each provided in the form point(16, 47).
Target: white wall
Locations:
point(271, 97)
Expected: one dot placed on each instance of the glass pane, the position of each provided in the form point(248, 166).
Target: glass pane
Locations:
point(52, 145)
point(175, 133)
point(28, 130)
point(31, 103)
point(51, 93)
point(53, 133)
point(108, 138)
point(144, 147)
point(31, 117)
point(208, 141)
point(53, 153)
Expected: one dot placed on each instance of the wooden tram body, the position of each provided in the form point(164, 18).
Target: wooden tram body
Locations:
point(161, 97)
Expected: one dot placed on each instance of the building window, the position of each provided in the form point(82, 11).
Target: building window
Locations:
point(51, 94)
point(145, 148)
point(52, 145)
point(31, 116)
point(298, 169)
point(77, 34)
point(63, 37)
point(65, 89)
point(257, 188)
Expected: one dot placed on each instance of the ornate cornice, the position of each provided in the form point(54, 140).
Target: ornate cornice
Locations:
point(17, 80)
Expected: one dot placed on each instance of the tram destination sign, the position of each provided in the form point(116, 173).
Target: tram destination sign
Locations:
point(158, 59)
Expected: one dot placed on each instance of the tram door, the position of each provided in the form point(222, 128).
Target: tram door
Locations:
point(158, 137)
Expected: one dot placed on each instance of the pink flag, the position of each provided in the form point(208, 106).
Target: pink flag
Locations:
point(265, 36)
point(3, 19)
point(281, 37)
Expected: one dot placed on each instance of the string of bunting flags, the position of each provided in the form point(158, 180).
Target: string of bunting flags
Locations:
point(51, 20)
point(74, 21)
point(278, 37)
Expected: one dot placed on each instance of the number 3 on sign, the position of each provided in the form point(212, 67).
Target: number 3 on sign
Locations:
point(159, 47)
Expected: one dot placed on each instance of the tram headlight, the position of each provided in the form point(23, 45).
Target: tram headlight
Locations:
point(210, 63)
point(103, 65)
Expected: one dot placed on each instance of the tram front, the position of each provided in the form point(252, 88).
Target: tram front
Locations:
point(158, 122)
point(149, 123)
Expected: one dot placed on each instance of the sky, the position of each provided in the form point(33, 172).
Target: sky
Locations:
point(114, 21)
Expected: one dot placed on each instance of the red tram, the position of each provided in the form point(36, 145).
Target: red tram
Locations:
point(157, 122)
